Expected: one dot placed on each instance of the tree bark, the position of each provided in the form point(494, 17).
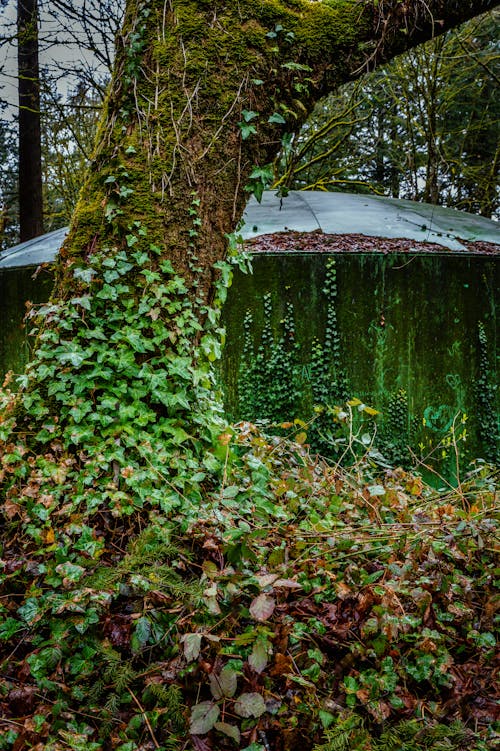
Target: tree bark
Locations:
point(30, 150)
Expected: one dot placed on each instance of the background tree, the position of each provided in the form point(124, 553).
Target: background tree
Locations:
point(75, 43)
point(30, 147)
point(69, 126)
point(418, 129)
point(9, 209)
point(87, 28)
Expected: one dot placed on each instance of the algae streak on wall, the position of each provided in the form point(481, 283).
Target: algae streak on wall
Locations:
point(411, 336)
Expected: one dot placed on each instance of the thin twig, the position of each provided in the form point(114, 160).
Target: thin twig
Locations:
point(146, 720)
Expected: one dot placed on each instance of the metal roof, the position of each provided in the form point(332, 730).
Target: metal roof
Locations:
point(332, 213)
point(43, 249)
point(375, 216)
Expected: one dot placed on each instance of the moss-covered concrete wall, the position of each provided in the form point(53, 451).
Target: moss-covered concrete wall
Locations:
point(17, 287)
point(414, 337)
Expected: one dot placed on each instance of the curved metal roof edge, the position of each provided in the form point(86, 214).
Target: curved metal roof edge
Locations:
point(375, 216)
point(38, 250)
point(331, 213)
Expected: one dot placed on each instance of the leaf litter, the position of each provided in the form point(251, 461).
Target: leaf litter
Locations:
point(302, 604)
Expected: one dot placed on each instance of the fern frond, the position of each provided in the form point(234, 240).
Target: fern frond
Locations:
point(153, 545)
point(103, 577)
point(118, 672)
point(96, 691)
point(109, 714)
point(169, 698)
point(112, 704)
point(121, 679)
point(348, 734)
point(411, 735)
point(339, 741)
point(173, 743)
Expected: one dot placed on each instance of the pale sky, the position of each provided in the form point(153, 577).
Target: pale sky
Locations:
point(53, 54)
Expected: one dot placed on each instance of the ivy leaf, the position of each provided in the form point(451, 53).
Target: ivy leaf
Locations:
point(250, 705)
point(264, 174)
point(70, 571)
point(223, 684)
point(192, 646)
point(247, 130)
point(137, 341)
point(230, 730)
point(111, 276)
point(262, 607)
point(73, 356)
point(166, 264)
point(277, 118)
point(9, 627)
point(84, 301)
point(143, 631)
point(258, 658)
point(178, 434)
point(376, 490)
point(29, 612)
point(84, 274)
point(231, 491)
point(326, 718)
point(203, 717)
point(259, 179)
point(249, 115)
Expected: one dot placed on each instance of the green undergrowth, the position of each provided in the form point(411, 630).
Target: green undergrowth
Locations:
point(169, 582)
point(285, 605)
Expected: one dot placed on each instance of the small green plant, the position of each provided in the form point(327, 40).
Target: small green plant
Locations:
point(397, 433)
point(487, 398)
point(269, 376)
point(348, 734)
